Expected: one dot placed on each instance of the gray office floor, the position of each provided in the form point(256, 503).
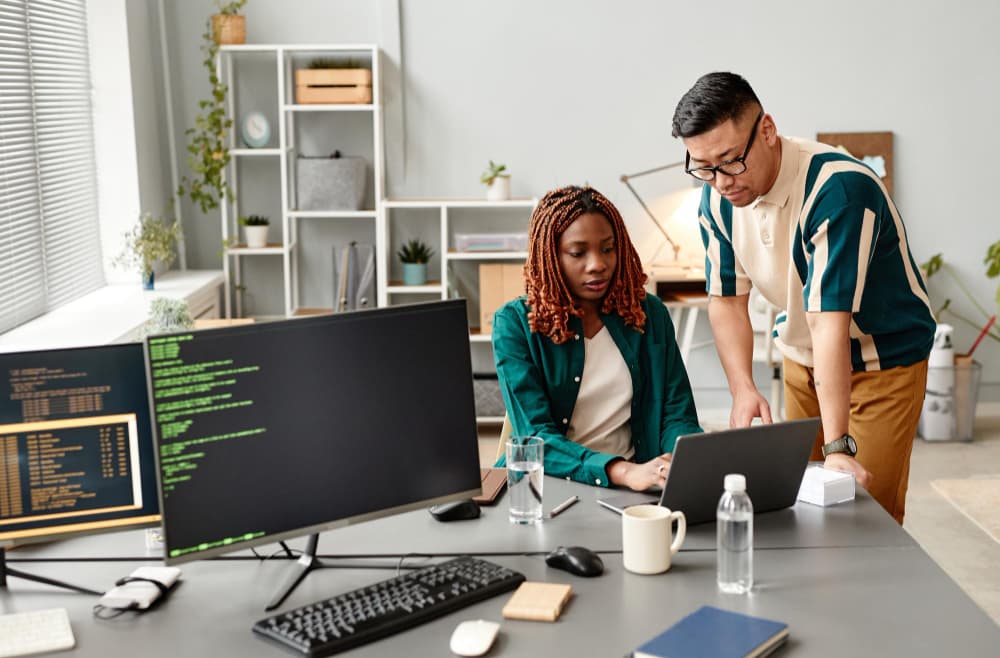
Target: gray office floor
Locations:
point(967, 553)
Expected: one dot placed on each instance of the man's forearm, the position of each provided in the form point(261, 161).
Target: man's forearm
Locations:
point(832, 370)
point(733, 335)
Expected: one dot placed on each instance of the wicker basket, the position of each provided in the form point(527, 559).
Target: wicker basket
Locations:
point(228, 29)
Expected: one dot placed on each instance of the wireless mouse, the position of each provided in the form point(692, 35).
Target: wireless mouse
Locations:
point(455, 511)
point(473, 638)
point(576, 560)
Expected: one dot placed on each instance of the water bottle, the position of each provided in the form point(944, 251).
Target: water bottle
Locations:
point(734, 523)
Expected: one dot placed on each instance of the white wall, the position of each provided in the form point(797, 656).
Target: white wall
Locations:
point(571, 91)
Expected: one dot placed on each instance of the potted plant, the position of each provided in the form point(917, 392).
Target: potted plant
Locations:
point(208, 153)
point(992, 261)
point(497, 182)
point(228, 26)
point(328, 80)
point(150, 241)
point(953, 378)
point(255, 230)
point(168, 315)
point(414, 256)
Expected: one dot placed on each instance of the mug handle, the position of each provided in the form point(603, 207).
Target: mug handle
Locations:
point(681, 531)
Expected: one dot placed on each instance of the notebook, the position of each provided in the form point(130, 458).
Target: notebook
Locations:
point(712, 632)
point(772, 457)
point(494, 482)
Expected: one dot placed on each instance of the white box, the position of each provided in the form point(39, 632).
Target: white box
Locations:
point(823, 486)
point(491, 241)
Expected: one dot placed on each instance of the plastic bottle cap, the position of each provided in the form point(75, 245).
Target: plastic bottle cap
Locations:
point(735, 482)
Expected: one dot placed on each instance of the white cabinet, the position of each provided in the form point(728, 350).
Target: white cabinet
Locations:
point(297, 130)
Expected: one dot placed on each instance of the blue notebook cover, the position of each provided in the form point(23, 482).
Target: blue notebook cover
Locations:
point(714, 633)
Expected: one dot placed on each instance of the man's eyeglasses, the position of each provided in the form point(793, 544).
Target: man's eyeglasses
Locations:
point(733, 167)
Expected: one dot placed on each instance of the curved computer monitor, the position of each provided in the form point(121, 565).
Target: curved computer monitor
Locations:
point(274, 430)
point(76, 449)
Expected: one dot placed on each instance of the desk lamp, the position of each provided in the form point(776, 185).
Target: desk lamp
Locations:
point(625, 178)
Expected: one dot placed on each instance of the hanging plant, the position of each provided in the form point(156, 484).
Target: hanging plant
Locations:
point(208, 154)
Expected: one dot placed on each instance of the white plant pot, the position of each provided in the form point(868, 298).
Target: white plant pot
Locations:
point(256, 236)
point(499, 189)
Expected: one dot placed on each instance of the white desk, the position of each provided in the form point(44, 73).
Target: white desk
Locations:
point(682, 289)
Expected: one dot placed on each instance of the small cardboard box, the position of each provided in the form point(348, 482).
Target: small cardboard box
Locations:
point(498, 284)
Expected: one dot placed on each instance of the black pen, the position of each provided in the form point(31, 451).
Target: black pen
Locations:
point(563, 506)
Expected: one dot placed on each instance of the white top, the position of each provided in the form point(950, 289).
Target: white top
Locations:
point(604, 404)
point(735, 482)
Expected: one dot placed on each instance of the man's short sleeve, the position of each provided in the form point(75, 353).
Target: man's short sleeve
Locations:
point(724, 276)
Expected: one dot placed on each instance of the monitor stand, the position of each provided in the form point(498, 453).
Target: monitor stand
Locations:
point(306, 563)
point(7, 571)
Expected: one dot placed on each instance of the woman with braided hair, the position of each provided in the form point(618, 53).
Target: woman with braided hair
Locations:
point(586, 360)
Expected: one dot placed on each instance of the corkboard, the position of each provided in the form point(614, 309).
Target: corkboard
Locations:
point(861, 144)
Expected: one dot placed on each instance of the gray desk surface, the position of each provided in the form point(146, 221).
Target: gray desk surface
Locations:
point(859, 523)
point(837, 602)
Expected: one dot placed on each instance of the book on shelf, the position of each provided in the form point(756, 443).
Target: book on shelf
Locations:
point(711, 632)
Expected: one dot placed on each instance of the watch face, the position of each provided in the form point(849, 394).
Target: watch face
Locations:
point(852, 446)
point(255, 129)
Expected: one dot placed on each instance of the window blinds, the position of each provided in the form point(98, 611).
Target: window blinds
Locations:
point(50, 248)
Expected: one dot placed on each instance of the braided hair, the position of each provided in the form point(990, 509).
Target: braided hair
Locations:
point(549, 297)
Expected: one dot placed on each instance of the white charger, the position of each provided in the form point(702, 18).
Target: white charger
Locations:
point(137, 592)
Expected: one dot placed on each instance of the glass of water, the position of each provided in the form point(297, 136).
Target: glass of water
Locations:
point(524, 478)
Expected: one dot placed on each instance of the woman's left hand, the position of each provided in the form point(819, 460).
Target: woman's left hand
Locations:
point(640, 477)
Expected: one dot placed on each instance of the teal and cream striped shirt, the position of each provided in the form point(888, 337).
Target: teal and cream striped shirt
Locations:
point(825, 237)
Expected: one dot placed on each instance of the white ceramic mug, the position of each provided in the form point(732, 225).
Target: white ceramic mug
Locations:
point(646, 538)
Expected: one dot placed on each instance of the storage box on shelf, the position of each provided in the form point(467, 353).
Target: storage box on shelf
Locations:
point(333, 86)
point(345, 189)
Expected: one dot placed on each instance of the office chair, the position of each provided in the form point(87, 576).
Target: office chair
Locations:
point(762, 316)
point(505, 431)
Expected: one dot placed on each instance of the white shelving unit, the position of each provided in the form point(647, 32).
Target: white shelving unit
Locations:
point(387, 288)
point(516, 214)
point(286, 59)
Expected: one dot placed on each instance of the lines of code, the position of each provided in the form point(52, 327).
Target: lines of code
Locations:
point(29, 386)
point(186, 390)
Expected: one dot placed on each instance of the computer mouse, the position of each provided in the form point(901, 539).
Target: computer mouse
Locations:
point(474, 638)
point(576, 560)
point(459, 510)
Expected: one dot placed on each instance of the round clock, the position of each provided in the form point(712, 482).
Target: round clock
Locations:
point(255, 129)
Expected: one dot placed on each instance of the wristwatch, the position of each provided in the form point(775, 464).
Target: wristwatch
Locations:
point(844, 444)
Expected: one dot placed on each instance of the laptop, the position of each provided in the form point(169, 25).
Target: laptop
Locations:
point(772, 457)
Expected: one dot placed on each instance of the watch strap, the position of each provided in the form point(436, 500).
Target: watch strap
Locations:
point(840, 445)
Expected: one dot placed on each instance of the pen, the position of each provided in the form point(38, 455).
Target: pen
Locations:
point(563, 506)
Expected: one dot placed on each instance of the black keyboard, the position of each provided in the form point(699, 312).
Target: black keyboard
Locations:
point(369, 613)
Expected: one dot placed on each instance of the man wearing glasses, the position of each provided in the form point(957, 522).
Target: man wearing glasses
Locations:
point(816, 233)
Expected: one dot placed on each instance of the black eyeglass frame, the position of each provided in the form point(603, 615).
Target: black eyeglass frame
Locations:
point(741, 160)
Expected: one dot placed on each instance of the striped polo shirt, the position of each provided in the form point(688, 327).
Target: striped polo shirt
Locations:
point(825, 237)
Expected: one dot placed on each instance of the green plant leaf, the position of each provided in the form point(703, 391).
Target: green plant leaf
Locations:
point(932, 266)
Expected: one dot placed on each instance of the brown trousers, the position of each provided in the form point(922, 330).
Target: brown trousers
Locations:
point(885, 408)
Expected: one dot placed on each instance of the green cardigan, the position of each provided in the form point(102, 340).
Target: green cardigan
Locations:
point(539, 382)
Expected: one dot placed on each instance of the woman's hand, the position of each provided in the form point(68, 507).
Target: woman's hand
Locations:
point(640, 477)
